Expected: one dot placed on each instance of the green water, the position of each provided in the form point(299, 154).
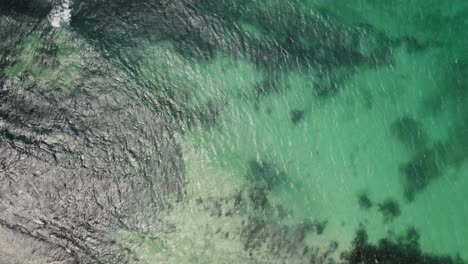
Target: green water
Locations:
point(335, 143)
point(340, 147)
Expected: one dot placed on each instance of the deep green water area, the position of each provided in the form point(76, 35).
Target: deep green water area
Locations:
point(234, 131)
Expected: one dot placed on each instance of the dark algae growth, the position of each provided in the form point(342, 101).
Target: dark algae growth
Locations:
point(297, 116)
point(409, 132)
point(233, 131)
point(364, 201)
point(265, 175)
point(389, 209)
point(389, 251)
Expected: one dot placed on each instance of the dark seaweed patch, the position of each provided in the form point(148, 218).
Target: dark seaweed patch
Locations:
point(262, 232)
point(390, 210)
point(265, 175)
point(282, 240)
point(34, 8)
point(195, 47)
point(329, 82)
point(47, 55)
point(423, 168)
point(297, 116)
point(267, 87)
point(411, 238)
point(226, 9)
point(319, 227)
point(364, 201)
point(121, 150)
point(258, 196)
point(406, 250)
point(368, 99)
point(383, 55)
point(296, 40)
point(413, 45)
point(431, 162)
point(410, 132)
point(206, 116)
point(301, 39)
point(254, 233)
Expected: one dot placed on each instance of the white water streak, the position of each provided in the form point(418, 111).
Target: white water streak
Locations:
point(61, 14)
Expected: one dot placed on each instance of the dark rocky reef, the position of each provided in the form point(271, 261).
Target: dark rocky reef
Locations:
point(364, 201)
point(430, 162)
point(410, 133)
point(47, 56)
point(266, 87)
point(205, 116)
point(259, 198)
point(405, 249)
point(389, 209)
point(297, 39)
point(297, 116)
point(260, 232)
point(284, 241)
point(33, 8)
point(117, 24)
point(80, 162)
point(75, 167)
point(425, 166)
point(265, 176)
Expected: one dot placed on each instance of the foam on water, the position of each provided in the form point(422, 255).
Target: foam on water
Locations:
point(61, 14)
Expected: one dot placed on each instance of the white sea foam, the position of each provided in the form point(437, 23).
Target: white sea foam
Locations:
point(61, 14)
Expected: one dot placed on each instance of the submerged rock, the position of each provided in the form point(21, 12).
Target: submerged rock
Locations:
point(285, 242)
point(410, 132)
point(76, 164)
point(47, 55)
point(265, 175)
point(364, 201)
point(84, 165)
point(297, 116)
point(425, 167)
point(390, 210)
point(34, 8)
point(258, 196)
point(388, 251)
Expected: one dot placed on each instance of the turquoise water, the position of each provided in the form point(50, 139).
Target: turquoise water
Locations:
point(356, 141)
point(299, 122)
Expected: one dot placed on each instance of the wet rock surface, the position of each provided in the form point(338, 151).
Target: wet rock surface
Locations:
point(388, 251)
point(79, 162)
point(389, 209)
point(364, 201)
point(262, 236)
point(75, 167)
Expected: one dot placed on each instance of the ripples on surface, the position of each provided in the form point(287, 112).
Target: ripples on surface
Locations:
point(233, 131)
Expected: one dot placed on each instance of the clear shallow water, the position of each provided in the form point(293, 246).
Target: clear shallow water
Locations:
point(258, 131)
